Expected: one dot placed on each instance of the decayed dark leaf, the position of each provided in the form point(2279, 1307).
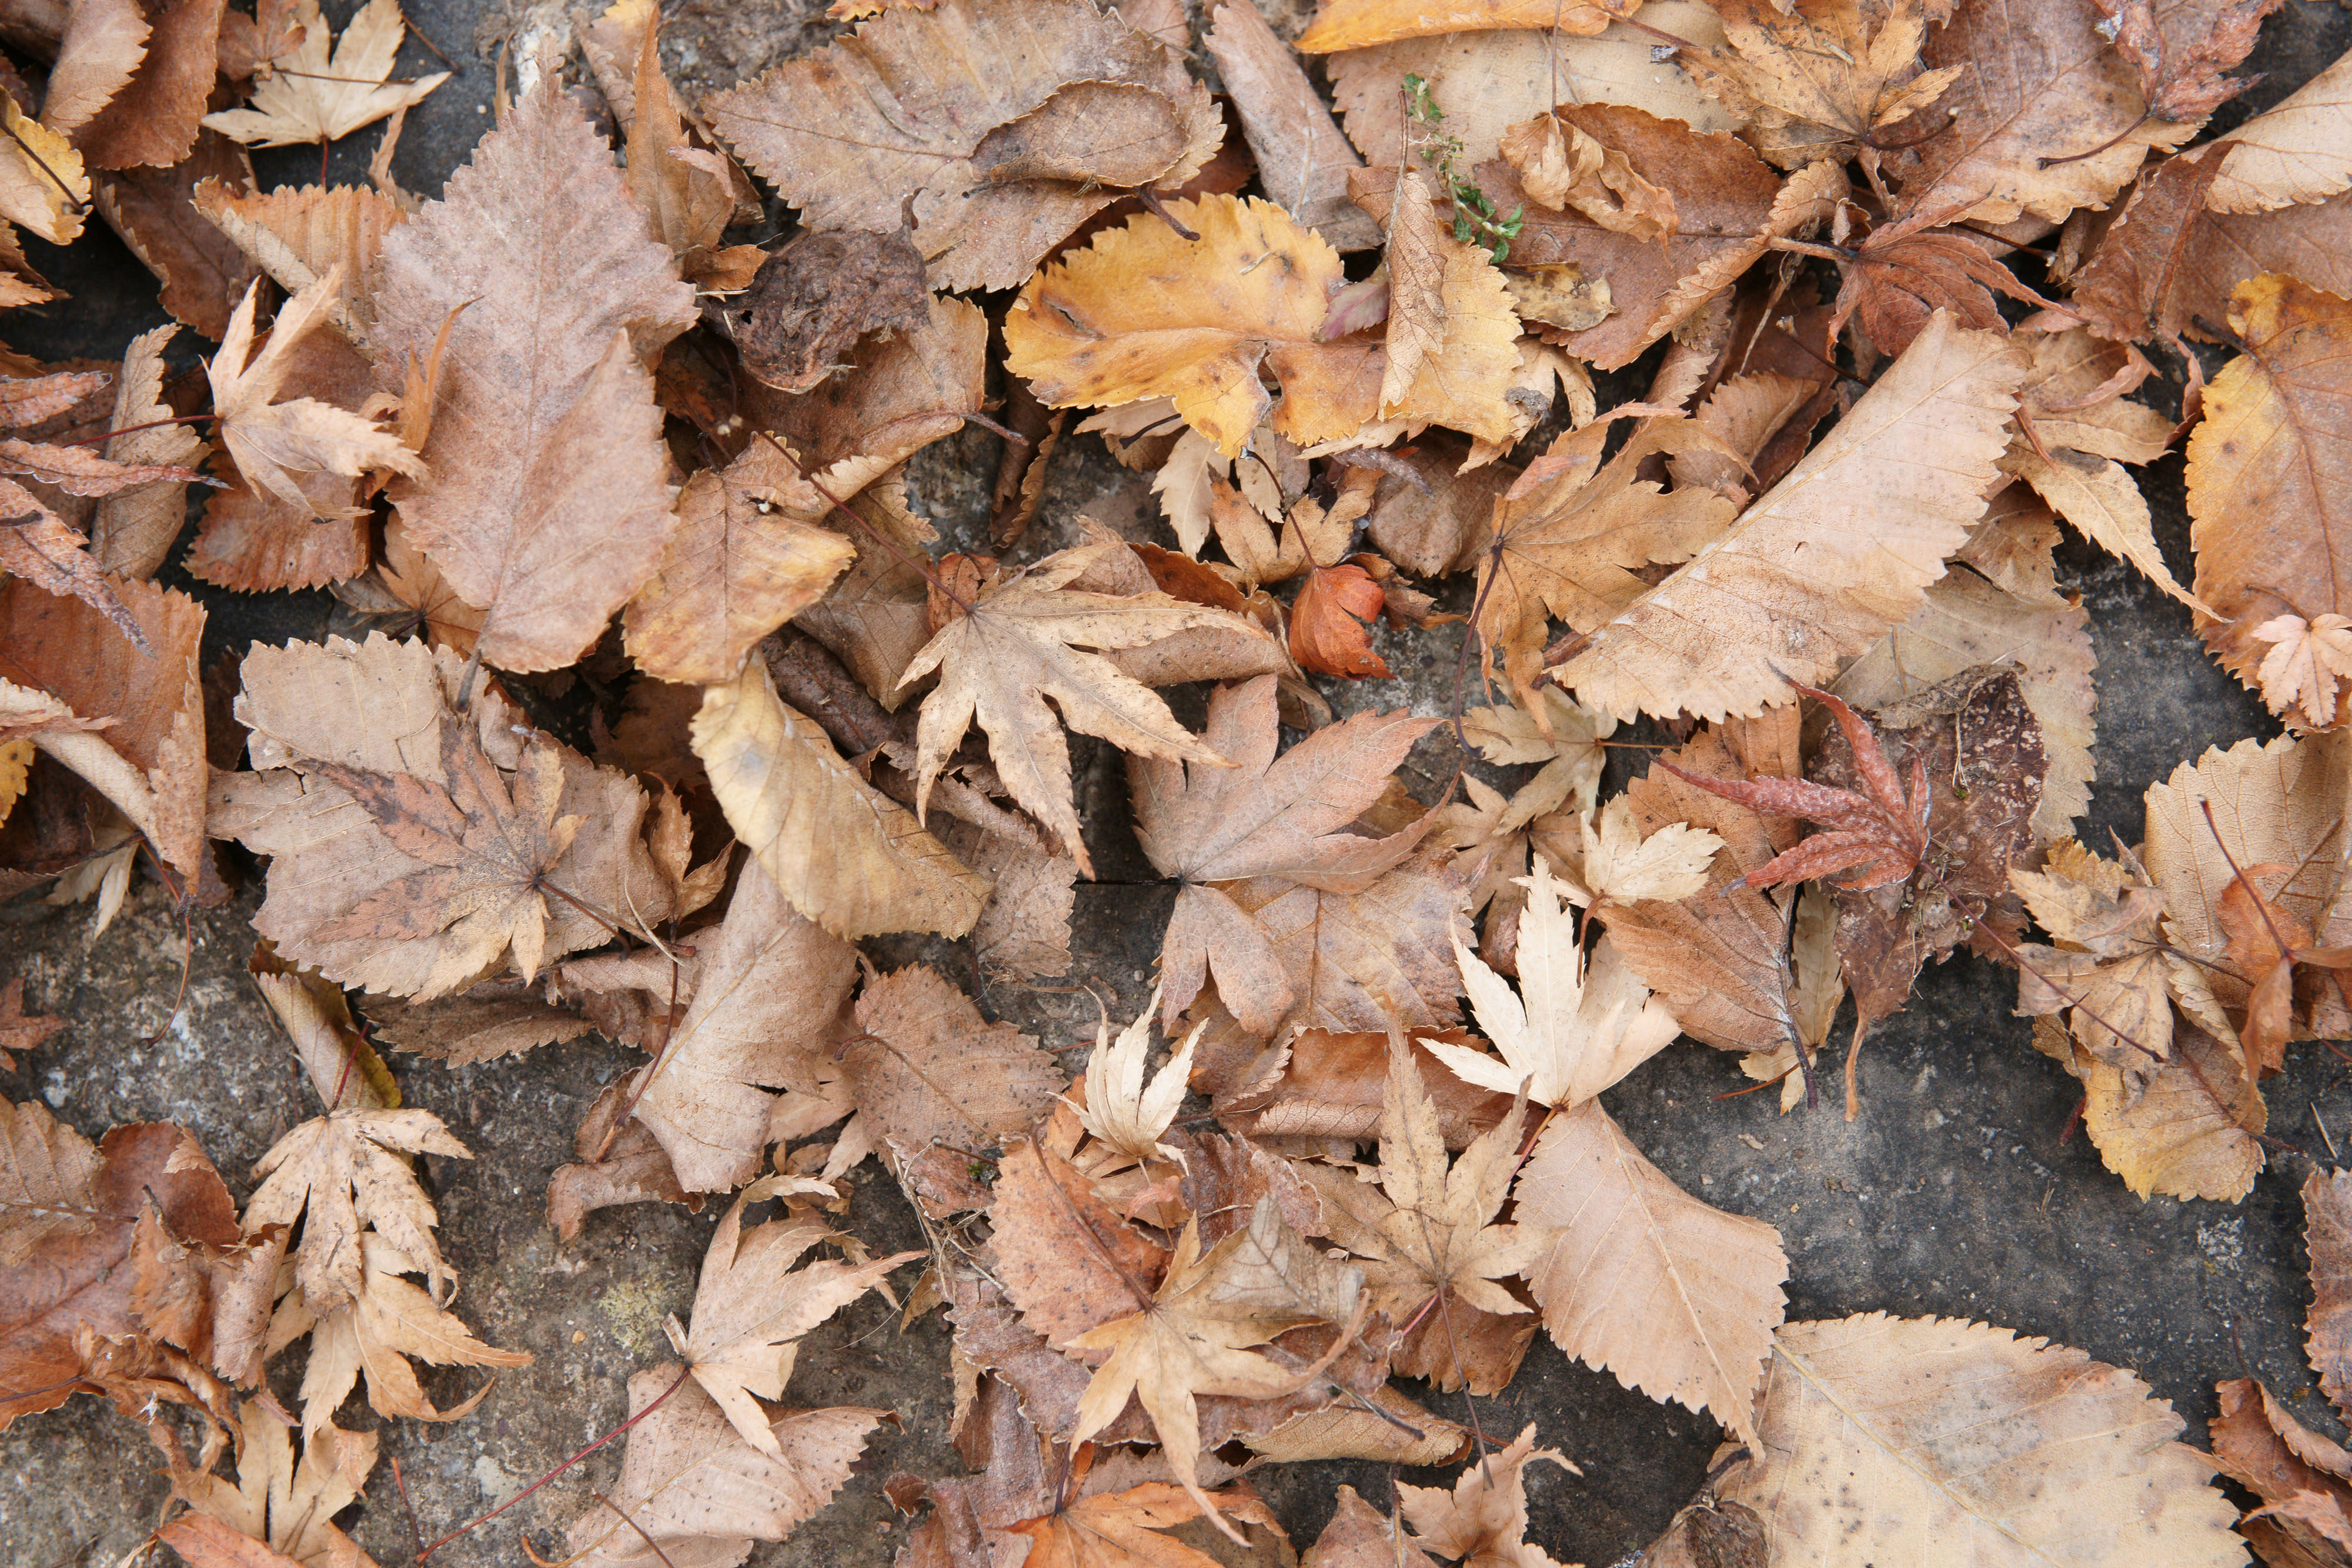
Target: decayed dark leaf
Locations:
point(815, 296)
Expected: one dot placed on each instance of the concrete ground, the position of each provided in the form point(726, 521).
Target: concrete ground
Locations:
point(1957, 1193)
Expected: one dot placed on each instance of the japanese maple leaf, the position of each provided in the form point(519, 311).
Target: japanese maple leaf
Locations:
point(1024, 640)
point(1820, 78)
point(1878, 836)
point(1196, 1337)
point(1258, 815)
point(1484, 1519)
point(2107, 966)
point(1121, 1112)
point(489, 846)
point(285, 1503)
point(345, 1173)
point(751, 1309)
point(2187, 84)
point(272, 441)
point(2266, 942)
point(1122, 1529)
point(1576, 1031)
point(1432, 1251)
point(315, 97)
point(2307, 659)
point(1904, 272)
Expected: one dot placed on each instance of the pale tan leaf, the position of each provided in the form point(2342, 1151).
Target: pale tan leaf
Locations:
point(1828, 570)
point(1930, 1439)
point(49, 1173)
point(2104, 504)
point(1302, 158)
point(1676, 1299)
point(132, 530)
point(926, 1069)
point(2192, 1130)
point(2296, 151)
point(319, 97)
point(341, 1174)
point(1120, 1112)
point(848, 857)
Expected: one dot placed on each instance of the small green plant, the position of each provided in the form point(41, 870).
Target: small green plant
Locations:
point(1474, 219)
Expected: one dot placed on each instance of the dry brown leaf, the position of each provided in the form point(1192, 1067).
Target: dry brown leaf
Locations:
point(2183, 80)
point(1484, 1519)
point(817, 295)
point(615, 1166)
point(1267, 817)
point(1006, 127)
point(342, 1173)
point(317, 96)
point(1821, 78)
point(288, 1504)
point(19, 1032)
point(928, 1071)
point(546, 498)
point(2042, 122)
point(1452, 341)
point(2328, 1232)
point(1724, 633)
point(737, 569)
point(1900, 1439)
point(2265, 1449)
point(1027, 638)
point(100, 50)
point(847, 856)
point(298, 235)
point(1023, 929)
point(48, 1175)
point(1361, 1536)
point(1197, 1334)
point(765, 997)
point(1065, 1257)
point(2294, 152)
point(201, 273)
point(1120, 1113)
point(2267, 472)
point(700, 1494)
point(2193, 1130)
point(1676, 1299)
point(1302, 158)
point(344, 1071)
point(131, 532)
point(2274, 805)
point(1432, 1253)
point(153, 119)
point(43, 184)
point(751, 1308)
point(1334, 1085)
point(2108, 968)
point(1124, 1529)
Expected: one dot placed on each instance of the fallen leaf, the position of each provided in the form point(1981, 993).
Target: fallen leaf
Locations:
point(2188, 83)
point(1825, 79)
point(1120, 1113)
point(43, 184)
point(1025, 638)
point(131, 532)
point(2294, 152)
point(1921, 442)
point(314, 96)
point(1678, 1298)
point(700, 1494)
point(2327, 1231)
point(2041, 129)
point(2108, 969)
point(1910, 1409)
point(1432, 1253)
point(283, 1502)
point(735, 570)
point(1452, 340)
point(1285, 820)
point(1302, 157)
point(202, 272)
point(1006, 129)
point(816, 296)
point(343, 1173)
point(1484, 1519)
point(545, 498)
point(2192, 1130)
point(19, 1032)
point(1115, 1529)
point(1361, 1536)
point(1361, 24)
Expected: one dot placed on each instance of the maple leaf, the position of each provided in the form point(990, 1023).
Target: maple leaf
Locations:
point(700, 1494)
point(1194, 1336)
point(546, 499)
point(1825, 79)
point(380, 711)
point(2109, 967)
point(1361, 1536)
point(1484, 1519)
point(1578, 1029)
point(1729, 206)
point(1255, 815)
point(2264, 496)
point(1908, 1408)
point(1620, 865)
point(752, 1307)
point(271, 442)
point(315, 96)
point(1011, 125)
point(2327, 1210)
point(298, 235)
point(1572, 530)
point(1023, 639)
point(2190, 83)
point(2042, 131)
point(283, 1502)
point(1432, 1253)
point(1302, 157)
point(344, 1172)
point(762, 1001)
point(1120, 1529)
point(1902, 273)
point(1120, 1112)
point(2292, 153)
point(1917, 452)
point(2306, 660)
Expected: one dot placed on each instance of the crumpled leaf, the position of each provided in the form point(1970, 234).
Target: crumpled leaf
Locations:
point(1120, 1112)
point(1823, 78)
point(1010, 126)
point(1484, 1519)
